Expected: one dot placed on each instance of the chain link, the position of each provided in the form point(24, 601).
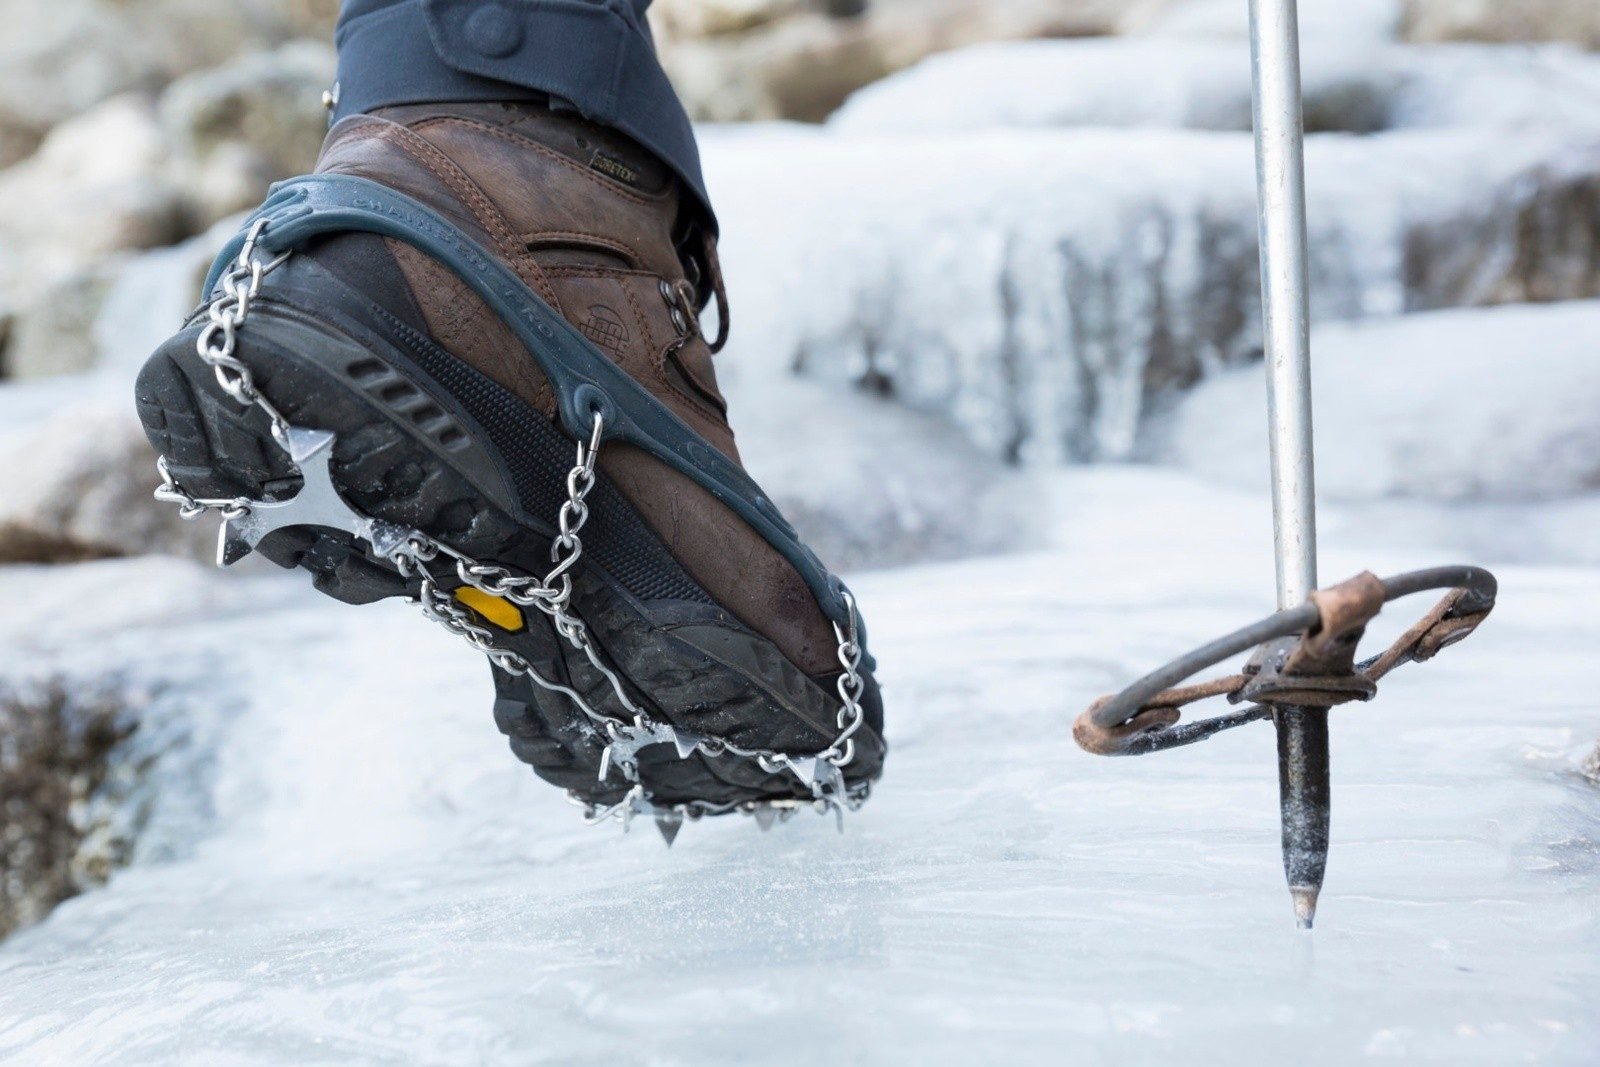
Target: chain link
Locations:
point(218, 342)
point(191, 507)
point(624, 734)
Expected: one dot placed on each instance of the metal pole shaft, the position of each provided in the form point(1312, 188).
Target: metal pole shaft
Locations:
point(1281, 192)
point(1280, 184)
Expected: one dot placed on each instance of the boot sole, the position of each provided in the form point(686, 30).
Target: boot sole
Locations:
point(408, 452)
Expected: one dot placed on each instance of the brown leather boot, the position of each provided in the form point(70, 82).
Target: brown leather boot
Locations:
point(692, 669)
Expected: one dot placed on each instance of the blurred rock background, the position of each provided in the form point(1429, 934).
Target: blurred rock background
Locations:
point(1022, 231)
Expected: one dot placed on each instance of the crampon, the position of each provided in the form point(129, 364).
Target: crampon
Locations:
point(254, 395)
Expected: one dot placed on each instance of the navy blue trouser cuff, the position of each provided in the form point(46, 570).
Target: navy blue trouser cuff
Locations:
point(597, 55)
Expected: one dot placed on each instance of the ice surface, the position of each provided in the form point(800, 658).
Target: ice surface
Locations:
point(377, 881)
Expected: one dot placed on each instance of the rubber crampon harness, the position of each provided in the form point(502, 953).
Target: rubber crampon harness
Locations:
point(597, 403)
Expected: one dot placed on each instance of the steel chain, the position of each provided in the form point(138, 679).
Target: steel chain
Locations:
point(217, 345)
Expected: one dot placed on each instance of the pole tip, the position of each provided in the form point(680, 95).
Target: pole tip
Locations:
point(1305, 905)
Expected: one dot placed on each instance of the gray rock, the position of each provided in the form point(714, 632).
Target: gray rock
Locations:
point(1496, 21)
point(60, 832)
point(1591, 766)
point(800, 68)
point(1532, 240)
point(54, 333)
point(235, 129)
point(61, 58)
point(98, 185)
point(57, 60)
point(76, 485)
point(769, 59)
point(677, 20)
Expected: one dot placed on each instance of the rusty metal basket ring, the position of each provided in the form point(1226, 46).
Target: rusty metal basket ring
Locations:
point(1305, 656)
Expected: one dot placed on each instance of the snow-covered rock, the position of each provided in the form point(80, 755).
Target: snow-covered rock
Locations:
point(1499, 404)
point(869, 483)
point(53, 332)
point(1038, 287)
point(1128, 263)
point(75, 469)
point(106, 753)
point(1359, 21)
point(1533, 238)
point(1176, 82)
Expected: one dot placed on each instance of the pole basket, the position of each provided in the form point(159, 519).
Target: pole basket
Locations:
point(1304, 657)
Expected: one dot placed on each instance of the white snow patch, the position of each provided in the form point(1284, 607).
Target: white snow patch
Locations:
point(1499, 404)
point(1089, 82)
point(1036, 287)
point(1320, 20)
point(870, 482)
point(1179, 83)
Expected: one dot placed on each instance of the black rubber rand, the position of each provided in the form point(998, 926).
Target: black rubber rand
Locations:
point(425, 441)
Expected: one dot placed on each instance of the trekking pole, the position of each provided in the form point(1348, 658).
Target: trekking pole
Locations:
point(1303, 785)
point(1304, 656)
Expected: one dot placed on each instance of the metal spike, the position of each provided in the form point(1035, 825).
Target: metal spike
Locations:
point(684, 743)
point(829, 779)
point(669, 825)
point(317, 503)
point(805, 769)
point(302, 444)
point(766, 815)
point(387, 538)
point(1305, 803)
point(230, 547)
point(1305, 905)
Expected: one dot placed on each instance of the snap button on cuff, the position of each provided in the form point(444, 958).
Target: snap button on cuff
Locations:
point(493, 31)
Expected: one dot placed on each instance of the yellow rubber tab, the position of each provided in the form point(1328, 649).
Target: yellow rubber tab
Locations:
point(497, 610)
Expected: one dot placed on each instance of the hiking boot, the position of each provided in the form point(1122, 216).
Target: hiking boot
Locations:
point(686, 656)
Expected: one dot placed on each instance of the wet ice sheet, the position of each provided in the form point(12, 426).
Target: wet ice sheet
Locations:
point(382, 883)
